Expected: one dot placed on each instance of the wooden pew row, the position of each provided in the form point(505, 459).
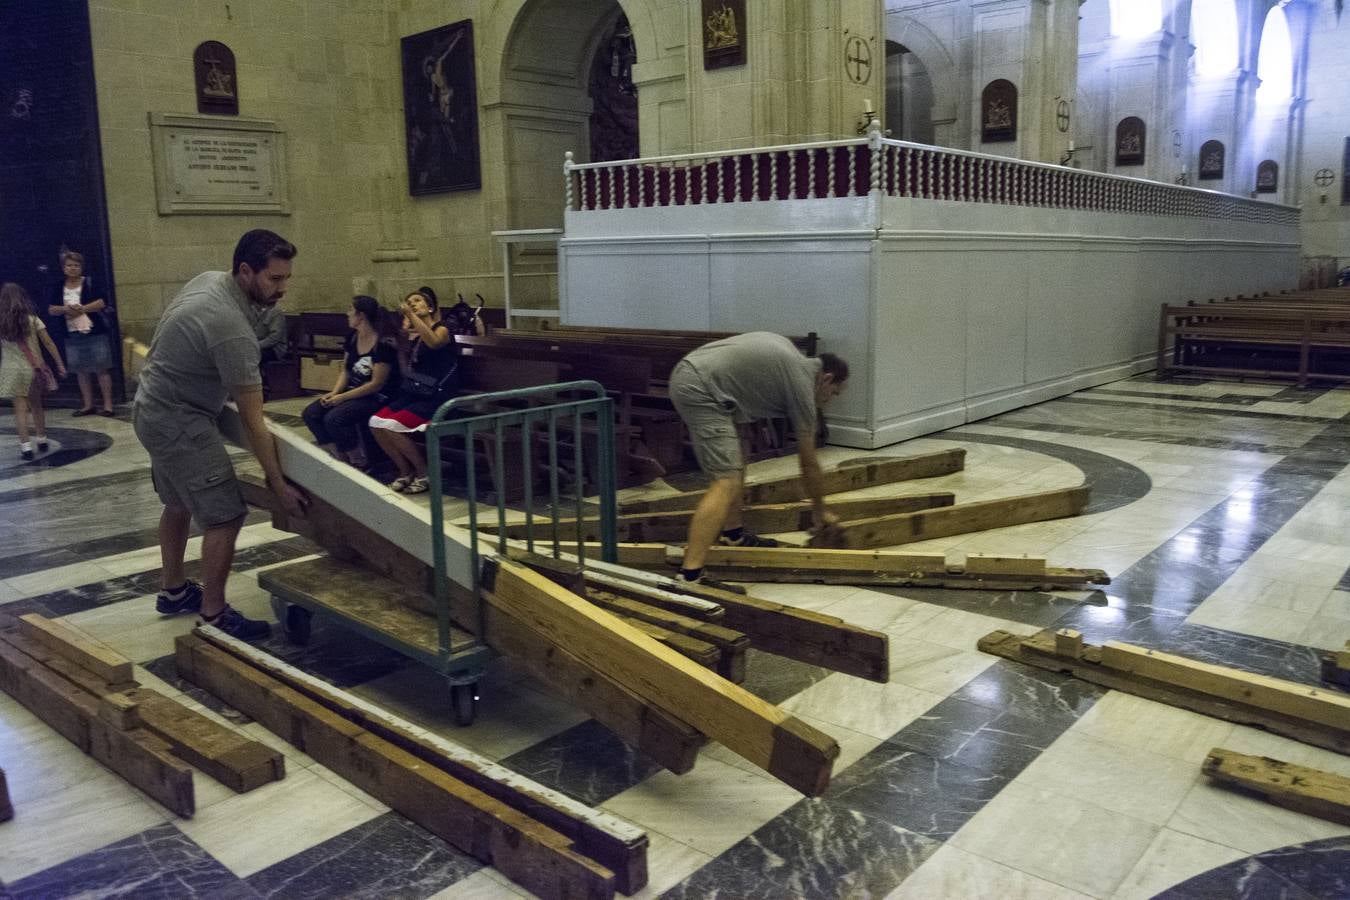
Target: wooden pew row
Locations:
point(1256, 340)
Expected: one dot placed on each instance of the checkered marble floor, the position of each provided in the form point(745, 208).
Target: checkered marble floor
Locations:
point(1218, 508)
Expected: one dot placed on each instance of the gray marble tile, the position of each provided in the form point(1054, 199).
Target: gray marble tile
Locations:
point(1031, 693)
point(160, 862)
point(587, 762)
point(1320, 867)
point(777, 678)
point(977, 737)
point(1029, 607)
point(1245, 879)
point(385, 857)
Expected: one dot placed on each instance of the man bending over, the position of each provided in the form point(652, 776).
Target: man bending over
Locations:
point(737, 380)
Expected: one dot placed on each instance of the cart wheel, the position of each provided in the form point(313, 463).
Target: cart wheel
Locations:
point(297, 624)
point(464, 701)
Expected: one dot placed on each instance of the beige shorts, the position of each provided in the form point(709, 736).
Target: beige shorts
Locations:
point(712, 429)
point(191, 469)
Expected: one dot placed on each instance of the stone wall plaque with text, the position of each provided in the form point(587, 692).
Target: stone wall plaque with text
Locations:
point(208, 166)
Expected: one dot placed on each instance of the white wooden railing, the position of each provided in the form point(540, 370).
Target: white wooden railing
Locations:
point(879, 165)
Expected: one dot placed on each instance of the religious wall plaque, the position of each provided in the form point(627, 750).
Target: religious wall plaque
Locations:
point(206, 166)
point(1211, 160)
point(998, 112)
point(440, 110)
point(217, 83)
point(1130, 141)
point(1268, 177)
point(724, 34)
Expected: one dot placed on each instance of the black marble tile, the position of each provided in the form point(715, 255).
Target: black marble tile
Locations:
point(166, 669)
point(1182, 413)
point(817, 849)
point(1321, 868)
point(385, 857)
point(1031, 693)
point(160, 862)
point(920, 793)
point(1139, 434)
point(777, 678)
point(587, 762)
point(23, 563)
point(1245, 879)
point(977, 737)
point(1226, 399)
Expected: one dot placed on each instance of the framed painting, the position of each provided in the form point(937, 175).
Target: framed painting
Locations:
point(1268, 177)
point(1211, 160)
point(1130, 141)
point(440, 110)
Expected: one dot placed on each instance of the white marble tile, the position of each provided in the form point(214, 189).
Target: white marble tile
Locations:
point(872, 609)
point(1172, 858)
point(816, 597)
point(1073, 843)
point(9, 592)
point(853, 745)
point(1246, 822)
point(1336, 605)
point(1130, 721)
point(1250, 618)
point(1326, 632)
point(249, 832)
point(1270, 592)
point(1110, 775)
point(337, 780)
point(953, 873)
point(133, 628)
point(879, 710)
point(709, 809)
point(62, 577)
point(481, 885)
point(934, 667)
point(1301, 571)
point(94, 808)
point(961, 630)
point(668, 863)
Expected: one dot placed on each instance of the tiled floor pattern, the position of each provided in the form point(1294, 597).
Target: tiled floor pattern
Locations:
point(1220, 508)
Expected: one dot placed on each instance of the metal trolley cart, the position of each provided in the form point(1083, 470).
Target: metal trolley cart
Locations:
point(371, 606)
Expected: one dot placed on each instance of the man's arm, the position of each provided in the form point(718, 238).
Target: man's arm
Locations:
point(276, 330)
point(249, 400)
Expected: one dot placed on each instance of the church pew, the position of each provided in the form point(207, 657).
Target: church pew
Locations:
point(1258, 339)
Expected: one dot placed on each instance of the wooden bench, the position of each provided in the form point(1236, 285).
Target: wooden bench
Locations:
point(1269, 339)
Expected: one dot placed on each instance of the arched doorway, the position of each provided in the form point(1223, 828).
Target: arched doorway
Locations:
point(909, 95)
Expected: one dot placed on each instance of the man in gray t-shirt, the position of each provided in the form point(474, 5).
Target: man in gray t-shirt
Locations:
point(204, 352)
point(737, 380)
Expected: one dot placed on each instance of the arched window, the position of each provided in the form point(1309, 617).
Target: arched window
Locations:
point(1135, 18)
point(1275, 65)
point(1214, 32)
point(998, 112)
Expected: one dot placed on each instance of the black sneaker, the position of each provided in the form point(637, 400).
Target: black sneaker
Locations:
point(42, 445)
point(748, 540)
point(25, 454)
point(188, 600)
point(237, 625)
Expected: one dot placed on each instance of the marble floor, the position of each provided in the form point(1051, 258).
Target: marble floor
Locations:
point(1220, 510)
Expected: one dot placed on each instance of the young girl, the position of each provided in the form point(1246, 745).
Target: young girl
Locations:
point(23, 375)
point(431, 364)
point(339, 417)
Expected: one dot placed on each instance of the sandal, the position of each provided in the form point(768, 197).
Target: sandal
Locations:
point(400, 484)
point(82, 412)
point(418, 485)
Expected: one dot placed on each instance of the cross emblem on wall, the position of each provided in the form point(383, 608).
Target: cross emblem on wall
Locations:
point(858, 60)
point(1324, 177)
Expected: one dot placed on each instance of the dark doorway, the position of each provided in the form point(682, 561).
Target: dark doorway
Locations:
point(614, 110)
point(51, 168)
point(909, 96)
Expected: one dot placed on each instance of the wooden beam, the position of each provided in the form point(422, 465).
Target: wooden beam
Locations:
point(98, 658)
point(788, 489)
point(657, 734)
point(526, 851)
point(731, 644)
point(777, 742)
point(610, 841)
point(1306, 714)
point(1336, 666)
point(906, 528)
point(707, 655)
point(1309, 791)
point(6, 808)
point(137, 755)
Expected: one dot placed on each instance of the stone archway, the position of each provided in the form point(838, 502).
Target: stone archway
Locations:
point(909, 95)
point(947, 119)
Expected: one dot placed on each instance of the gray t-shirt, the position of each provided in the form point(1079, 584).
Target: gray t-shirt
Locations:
point(204, 345)
point(759, 375)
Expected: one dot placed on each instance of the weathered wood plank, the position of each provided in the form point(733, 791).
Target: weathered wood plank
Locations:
point(705, 654)
point(612, 842)
point(849, 478)
point(732, 644)
point(1228, 704)
point(905, 528)
point(1305, 790)
point(526, 851)
point(781, 744)
point(98, 658)
point(238, 762)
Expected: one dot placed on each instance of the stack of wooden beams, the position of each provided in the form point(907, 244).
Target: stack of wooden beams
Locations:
point(86, 692)
point(540, 839)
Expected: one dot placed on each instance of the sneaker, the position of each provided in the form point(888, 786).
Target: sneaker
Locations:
point(748, 540)
point(26, 454)
point(189, 599)
point(237, 625)
point(42, 445)
point(681, 578)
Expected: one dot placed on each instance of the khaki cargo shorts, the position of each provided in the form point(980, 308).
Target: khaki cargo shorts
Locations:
point(712, 429)
point(190, 468)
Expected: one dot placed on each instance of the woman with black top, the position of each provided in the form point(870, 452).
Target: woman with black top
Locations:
point(88, 349)
point(339, 417)
point(426, 385)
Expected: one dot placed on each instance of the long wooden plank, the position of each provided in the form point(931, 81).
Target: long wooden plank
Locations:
point(61, 665)
point(781, 744)
point(98, 658)
point(673, 526)
point(732, 644)
point(657, 734)
point(138, 756)
point(1302, 789)
point(524, 850)
point(612, 842)
point(849, 478)
point(905, 528)
point(707, 655)
point(1041, 650)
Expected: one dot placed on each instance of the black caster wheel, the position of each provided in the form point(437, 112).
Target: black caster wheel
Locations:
point(464, 702)
point(297, 624)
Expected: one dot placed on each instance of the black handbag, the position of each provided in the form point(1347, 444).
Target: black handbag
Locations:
point(427, 387)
